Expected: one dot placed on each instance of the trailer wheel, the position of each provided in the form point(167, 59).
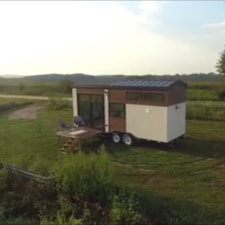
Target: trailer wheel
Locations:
point(127, 139)
point(116, 137)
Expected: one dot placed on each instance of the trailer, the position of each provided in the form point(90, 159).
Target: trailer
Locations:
point(150, 109)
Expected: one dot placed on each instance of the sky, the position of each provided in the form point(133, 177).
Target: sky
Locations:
point(111, 37)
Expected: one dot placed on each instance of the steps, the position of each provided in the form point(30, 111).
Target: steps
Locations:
point(72, 145)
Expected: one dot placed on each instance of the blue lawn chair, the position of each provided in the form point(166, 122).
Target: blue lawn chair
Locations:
point(78, 121)
point(63, 125)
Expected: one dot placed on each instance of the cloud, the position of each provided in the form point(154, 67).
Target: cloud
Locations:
point(149, 7)
point(220, 25)
point(93, 37)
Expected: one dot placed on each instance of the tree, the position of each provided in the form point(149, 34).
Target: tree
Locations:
point(66, 86)
point(220, 66)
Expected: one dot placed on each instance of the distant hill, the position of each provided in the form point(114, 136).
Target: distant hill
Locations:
point(80, 78)
point(10, 76)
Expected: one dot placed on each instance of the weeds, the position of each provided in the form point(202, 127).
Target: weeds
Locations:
point(206, 110)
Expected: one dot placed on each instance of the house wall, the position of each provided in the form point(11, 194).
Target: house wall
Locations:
point(147, 122)
point(176, 121)
point(90, 91)
point(120, 96)
point(176, 94)
point(117, 124)
point(117, 96)
point(144, 119)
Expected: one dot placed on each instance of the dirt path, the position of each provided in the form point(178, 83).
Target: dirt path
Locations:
point(29, 112)
point(29, 97)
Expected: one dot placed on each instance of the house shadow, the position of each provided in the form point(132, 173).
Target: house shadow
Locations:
point(191, 146)
point(161, 209)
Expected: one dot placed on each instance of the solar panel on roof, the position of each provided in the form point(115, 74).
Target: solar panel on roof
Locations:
point(138, 83)
point(157, 83)
point(169, 83)
point(143, 83)
point(163, 83)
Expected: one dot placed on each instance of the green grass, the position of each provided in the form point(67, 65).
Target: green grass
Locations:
point(15, 100)
point(183, 184)
point(23, 86)
point(186, 179)
point(32, 144)
point(206, 110)
point(198, 94)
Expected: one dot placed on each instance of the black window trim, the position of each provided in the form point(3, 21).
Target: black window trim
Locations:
point(133, 92)
point(124, 109)
point(154, 93)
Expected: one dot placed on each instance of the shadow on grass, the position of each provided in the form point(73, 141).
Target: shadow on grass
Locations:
point(162, 209)
point(190, 146)
point(167, 210)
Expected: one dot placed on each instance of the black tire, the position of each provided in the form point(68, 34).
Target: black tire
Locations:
point(116, 138)
point(127, 139)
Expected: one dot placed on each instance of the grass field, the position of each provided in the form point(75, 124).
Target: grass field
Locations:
point(206, 110)
point(22, 86)
point(183, 184)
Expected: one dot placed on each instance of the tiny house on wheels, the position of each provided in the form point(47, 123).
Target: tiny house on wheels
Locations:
point(134, 109)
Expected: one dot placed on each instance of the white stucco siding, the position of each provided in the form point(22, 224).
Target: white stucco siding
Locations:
point(106, 110)
point(176, 115)
point(75, 102)
point(147, 122)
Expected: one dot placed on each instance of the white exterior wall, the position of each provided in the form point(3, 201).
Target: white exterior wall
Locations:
point(176, 115)
point(75, 102)
point(106, 109)
point(156, 123)
point(147, 122)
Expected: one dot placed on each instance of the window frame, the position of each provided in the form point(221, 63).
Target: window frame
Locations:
point(123, 109)
point(134, 99)
point(154, 100)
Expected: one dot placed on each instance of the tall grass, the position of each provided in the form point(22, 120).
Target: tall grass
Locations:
point(89, 176)
point(206, 85)
point(206, 110)
point(198, 94)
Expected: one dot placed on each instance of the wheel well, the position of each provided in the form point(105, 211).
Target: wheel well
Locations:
point(118, 132)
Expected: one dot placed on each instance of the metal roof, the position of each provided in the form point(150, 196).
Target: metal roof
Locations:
point(144, 83)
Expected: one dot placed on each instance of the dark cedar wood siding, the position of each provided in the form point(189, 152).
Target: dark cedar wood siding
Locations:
point(176, 94)
point(115, 123)
point(120, 96)
point(117, 96)
point(90, 91)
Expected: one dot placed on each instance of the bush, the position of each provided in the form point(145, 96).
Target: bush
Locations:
point(88, 176)
point(221, 94)
point(65, 86)
point(206, 110)
point(125, 209)
point(58, 103)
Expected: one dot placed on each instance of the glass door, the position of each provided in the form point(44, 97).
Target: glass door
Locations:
point(84, 108)
point(91, 109)
point(97, 111)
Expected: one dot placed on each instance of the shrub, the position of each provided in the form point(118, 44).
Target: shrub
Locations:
point(125, 209)
point(89, 176)
point(221, 94)
point(206, 110)
point(58, 103)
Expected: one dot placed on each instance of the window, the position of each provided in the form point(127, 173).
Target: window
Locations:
point(154, 97)
point(134, 96)
point(117, 110)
